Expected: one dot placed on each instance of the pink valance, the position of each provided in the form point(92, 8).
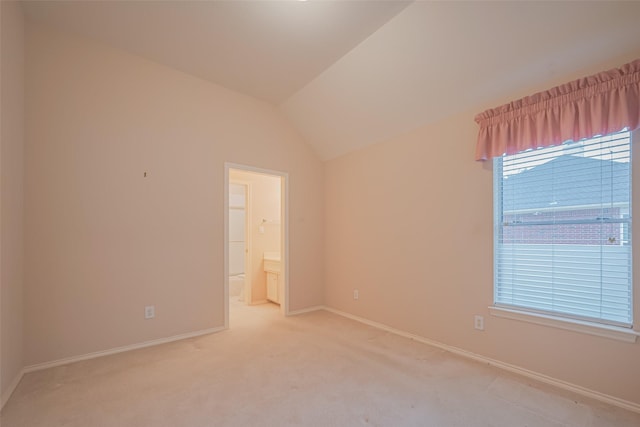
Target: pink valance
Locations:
point(597, 105)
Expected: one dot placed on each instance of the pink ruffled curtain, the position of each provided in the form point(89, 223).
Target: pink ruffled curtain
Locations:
point(597, 105)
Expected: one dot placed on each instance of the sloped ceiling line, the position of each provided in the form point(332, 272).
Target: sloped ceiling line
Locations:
point(348, 74)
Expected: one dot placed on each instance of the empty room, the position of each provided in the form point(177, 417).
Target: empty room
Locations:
point(319, 213)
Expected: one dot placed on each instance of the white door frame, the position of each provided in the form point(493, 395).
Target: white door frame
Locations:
point(284, 234)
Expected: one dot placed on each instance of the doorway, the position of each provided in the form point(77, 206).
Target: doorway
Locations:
point(256, 238)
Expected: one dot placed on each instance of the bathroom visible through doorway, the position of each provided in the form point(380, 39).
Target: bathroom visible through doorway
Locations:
point(255, 238)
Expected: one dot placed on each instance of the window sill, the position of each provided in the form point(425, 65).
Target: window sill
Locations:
point(606, 331)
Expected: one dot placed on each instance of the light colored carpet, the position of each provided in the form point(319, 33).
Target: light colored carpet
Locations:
point(316, 369)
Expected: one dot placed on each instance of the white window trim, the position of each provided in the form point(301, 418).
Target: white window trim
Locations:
point(618, 333)
point(613, 332)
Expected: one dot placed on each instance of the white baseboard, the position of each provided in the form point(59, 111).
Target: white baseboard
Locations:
point(7, 394)
point(612, 400)
point(72, 359)
point(306, 310)
point(258, 302)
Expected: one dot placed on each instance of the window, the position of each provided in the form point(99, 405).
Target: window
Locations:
point(563, 230)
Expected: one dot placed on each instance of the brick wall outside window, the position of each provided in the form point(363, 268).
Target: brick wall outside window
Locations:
point(568, 234)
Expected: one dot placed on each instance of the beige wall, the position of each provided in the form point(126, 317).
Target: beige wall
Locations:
point(101, 240)
point(264, 203)
point(409, 224)
point(11, 190)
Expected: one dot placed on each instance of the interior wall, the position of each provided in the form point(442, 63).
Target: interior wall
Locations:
point(103, 240)
point(264, 204)
point(11, 189)
point(409, 224)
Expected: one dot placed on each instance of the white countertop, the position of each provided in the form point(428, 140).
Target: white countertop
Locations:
point(271, 256)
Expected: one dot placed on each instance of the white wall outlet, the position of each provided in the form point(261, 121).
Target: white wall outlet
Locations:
point(150, 312)
point(356, 294)
point(478, 323)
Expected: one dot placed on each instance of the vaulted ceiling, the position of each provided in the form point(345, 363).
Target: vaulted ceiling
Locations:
point(353, 73)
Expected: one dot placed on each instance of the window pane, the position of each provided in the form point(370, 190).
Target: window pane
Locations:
point(563, 220)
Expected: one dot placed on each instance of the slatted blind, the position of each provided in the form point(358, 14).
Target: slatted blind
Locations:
point(563, 230)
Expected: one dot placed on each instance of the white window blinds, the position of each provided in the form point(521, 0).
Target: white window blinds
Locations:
point(563, 230)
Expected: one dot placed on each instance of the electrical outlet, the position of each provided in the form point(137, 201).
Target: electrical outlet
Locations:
point(150, 312)
point(356, 294)
point(478, 323)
